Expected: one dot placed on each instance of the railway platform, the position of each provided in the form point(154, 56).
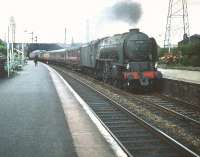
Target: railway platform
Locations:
point(181, 75)
point(41, 116)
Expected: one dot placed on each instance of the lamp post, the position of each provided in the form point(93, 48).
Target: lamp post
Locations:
point(65, 42)
point(36, 39)
point(12, 26)
point(23, 43)
point(31, 36)
point(10, 37)
point(8, 53)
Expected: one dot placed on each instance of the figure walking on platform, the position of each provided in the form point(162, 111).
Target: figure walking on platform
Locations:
point(36, 60)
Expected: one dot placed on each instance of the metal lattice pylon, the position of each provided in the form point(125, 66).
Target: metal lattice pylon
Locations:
point(177, 23)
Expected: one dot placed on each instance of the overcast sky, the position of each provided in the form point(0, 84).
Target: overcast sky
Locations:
point(48, 19)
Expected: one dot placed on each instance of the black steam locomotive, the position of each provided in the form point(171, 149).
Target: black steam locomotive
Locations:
point(125, 60)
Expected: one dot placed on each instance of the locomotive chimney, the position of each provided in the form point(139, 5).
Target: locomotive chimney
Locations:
point(134, 30)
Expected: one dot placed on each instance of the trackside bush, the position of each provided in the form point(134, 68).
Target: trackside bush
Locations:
point(191, 54)
point(2, 47)
point(186, 54)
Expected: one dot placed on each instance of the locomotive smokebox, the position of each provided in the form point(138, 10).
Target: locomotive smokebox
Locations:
point(134, 30)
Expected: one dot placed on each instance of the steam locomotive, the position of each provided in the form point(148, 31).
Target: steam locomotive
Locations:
point(125, 60)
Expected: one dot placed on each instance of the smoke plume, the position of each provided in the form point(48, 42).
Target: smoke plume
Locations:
point(126, 11)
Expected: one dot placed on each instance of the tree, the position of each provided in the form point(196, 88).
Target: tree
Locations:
point(2, 47)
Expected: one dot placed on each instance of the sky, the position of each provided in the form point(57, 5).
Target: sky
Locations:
point(49, 18)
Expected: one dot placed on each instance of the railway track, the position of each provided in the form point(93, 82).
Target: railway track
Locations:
point(170, 111)
point(137, 137)
point(185, 110)
point(182, 116)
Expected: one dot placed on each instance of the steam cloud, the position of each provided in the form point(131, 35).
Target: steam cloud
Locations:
point(126, 11)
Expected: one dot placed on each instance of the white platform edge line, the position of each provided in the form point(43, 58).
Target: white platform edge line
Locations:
point(114, 145)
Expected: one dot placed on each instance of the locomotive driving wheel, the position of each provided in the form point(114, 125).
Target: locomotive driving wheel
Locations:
point(118, 84)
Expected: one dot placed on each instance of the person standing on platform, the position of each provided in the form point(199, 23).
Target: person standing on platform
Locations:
point(36, 60)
